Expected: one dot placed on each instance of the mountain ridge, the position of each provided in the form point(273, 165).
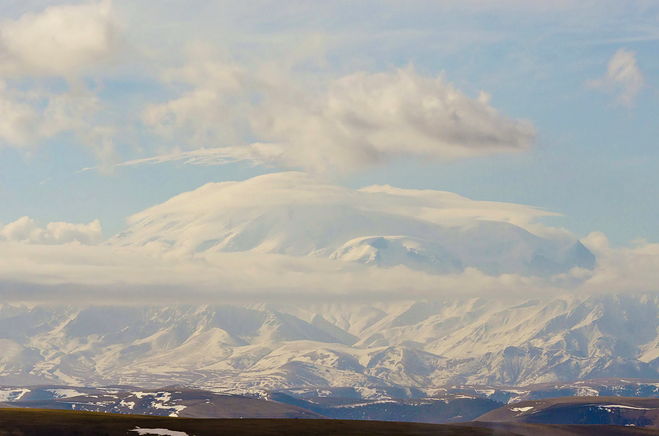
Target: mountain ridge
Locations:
point(397, 344)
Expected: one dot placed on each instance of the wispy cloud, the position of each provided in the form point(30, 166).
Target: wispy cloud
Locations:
point(623, 78)
point(269, 155)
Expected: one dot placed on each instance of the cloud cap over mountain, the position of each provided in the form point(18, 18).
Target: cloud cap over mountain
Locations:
point(289, 235)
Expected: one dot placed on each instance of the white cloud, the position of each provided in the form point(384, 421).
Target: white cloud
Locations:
point(18, 120)
point(448, 208)
point(61, 40)
point(624, 269)
point(99, 274)
point(257, 153)
point(214, 109)
point(26, 230)
point(365, 118)
point(623, 78)
point(337, 125)
point(32, 116)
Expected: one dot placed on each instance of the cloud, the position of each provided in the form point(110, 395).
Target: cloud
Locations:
point(37, 50)
point(364, 119)
point(214, 108)
point(623, 78)
point(99, 274)
point(26, 230)
point(61, 40)
point(448, 208)
point(623, 269)
point(257, 153)
point(32, 116)
point(19, 119)
point(105, 274)
point(343, 124)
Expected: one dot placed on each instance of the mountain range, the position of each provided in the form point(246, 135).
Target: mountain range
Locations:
point(394, 346)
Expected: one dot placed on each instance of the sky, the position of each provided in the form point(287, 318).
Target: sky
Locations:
point(112, 107)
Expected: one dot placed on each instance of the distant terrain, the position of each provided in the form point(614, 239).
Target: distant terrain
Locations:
point(193, 403)
point(449, 405)
point(450, 408)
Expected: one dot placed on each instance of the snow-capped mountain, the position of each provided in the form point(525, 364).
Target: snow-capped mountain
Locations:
point(293, 214)
point(410, 345)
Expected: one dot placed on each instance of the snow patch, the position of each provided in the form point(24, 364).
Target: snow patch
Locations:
point(158, 431)
point(522, 409)
point(176, 409)
point(65, 393)
point(585, 391)
point(12, 394)
point(355, 405)
point(619, 406)
point(129, 404)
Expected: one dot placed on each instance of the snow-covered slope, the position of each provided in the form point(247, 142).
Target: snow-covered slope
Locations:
point(402, 344)
point(292, 214)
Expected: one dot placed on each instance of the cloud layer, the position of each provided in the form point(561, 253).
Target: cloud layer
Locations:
point(32, 117)
point(26, 230)
point(56, 262)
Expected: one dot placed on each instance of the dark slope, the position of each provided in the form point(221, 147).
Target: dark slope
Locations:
point(621, 411)
point(31, 422)
point(524, 429)
point(427, 410)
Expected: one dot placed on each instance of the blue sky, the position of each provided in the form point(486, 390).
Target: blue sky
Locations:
point(594, 158)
